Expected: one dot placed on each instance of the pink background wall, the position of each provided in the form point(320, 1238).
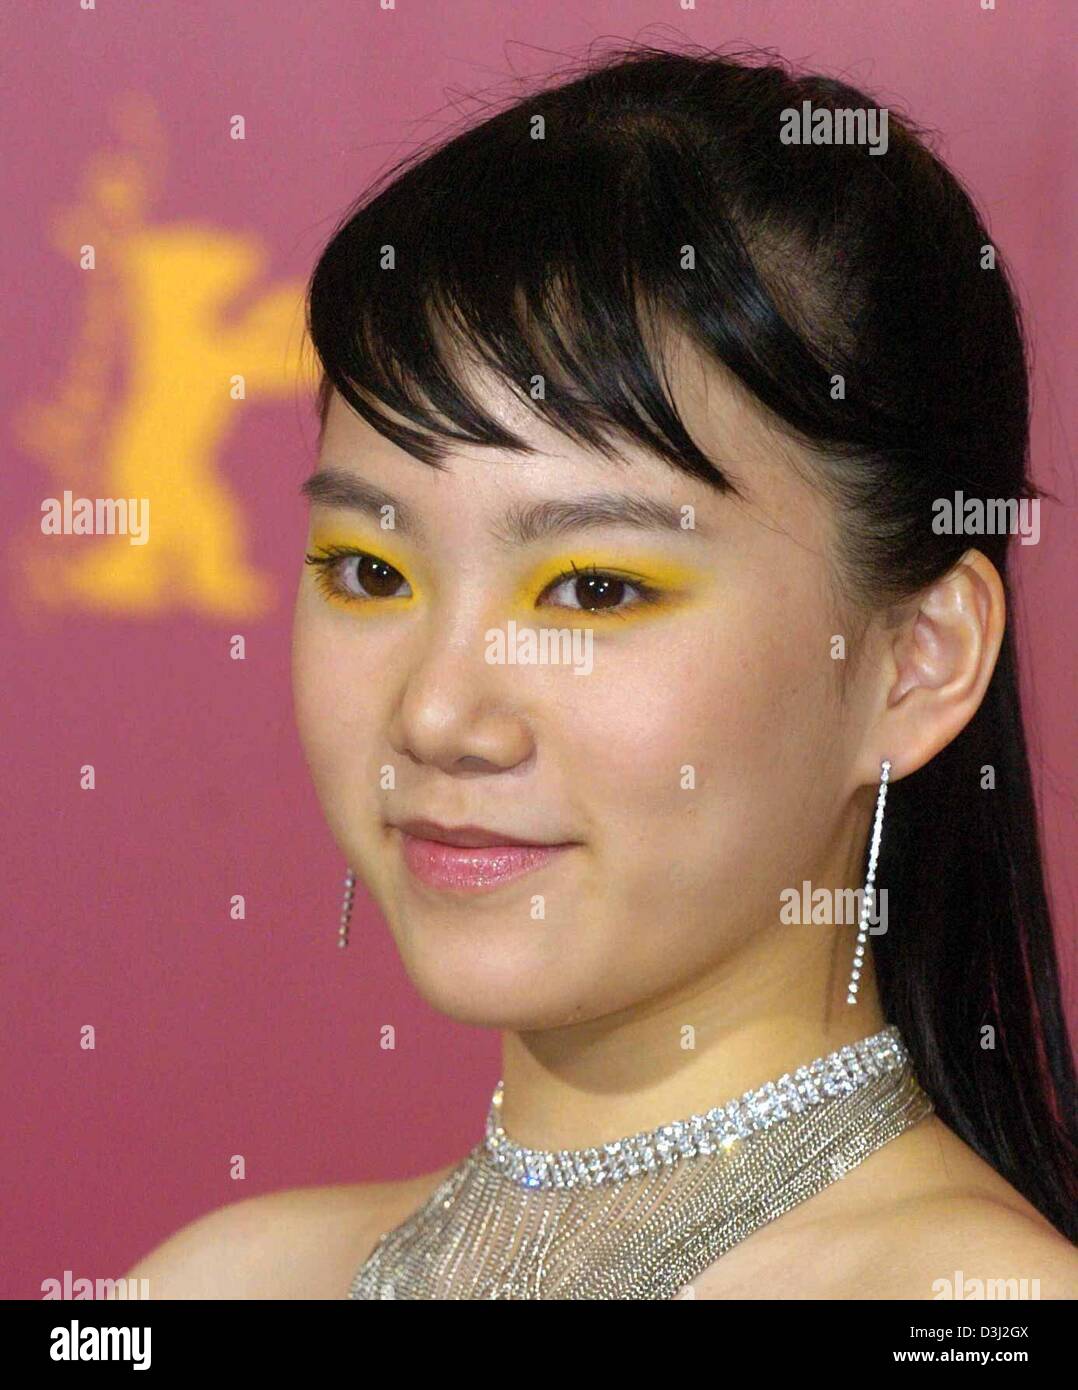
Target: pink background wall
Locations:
point(216, 1037)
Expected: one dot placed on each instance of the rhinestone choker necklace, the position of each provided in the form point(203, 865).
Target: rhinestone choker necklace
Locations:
point(837, 1074)
point(643, 1216)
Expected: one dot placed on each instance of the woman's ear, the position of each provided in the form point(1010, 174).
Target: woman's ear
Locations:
point(938, 664)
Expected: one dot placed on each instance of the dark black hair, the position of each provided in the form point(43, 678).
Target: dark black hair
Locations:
point(652, 185)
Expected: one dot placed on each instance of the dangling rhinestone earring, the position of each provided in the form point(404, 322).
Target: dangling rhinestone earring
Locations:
point(346, 907)
point(868, 899)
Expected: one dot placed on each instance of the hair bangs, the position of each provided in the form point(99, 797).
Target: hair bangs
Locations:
point(491, 253)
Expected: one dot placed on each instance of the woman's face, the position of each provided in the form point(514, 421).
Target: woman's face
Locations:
point(692, 763)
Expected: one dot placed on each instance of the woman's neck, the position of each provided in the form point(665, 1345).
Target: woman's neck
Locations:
point(747, 1023)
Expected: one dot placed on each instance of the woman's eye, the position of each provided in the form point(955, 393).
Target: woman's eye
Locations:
point(593, 591)
point(357, 575)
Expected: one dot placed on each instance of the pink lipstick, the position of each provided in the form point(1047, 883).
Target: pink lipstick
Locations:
point(469, 858)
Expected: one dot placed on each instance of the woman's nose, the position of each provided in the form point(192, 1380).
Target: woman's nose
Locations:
point(457, 712)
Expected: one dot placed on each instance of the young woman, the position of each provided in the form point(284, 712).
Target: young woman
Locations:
point(639, 637)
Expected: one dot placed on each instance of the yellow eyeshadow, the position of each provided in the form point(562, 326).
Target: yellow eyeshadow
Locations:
point(357, 604)
point(662, 573)
point(323, 541)
point(673, 583)
point(333, 540)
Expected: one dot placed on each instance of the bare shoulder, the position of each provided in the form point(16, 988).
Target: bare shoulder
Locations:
point(925, 1217)
point(958, 1229)
point(962, 1247)
point(299, 1243)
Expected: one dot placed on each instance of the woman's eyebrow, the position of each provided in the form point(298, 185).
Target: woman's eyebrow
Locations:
point(522, 523)
point(537, 520)
point(335, 487)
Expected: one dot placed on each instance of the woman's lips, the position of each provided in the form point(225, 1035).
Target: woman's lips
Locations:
point(472, 867)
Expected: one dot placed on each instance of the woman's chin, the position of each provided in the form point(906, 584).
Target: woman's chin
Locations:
point(488, 987)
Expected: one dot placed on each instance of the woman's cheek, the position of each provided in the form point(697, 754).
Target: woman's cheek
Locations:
point(680, 753)
point(332, 727)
